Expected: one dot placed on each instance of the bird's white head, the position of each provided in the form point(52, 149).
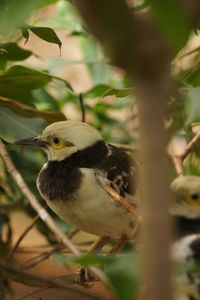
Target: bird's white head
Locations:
point(186, 196)
point(61, 139)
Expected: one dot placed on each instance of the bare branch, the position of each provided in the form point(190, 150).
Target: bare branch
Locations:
point(190, 146)
point(33, 280)
point(121, 200)
point(24, 233)
point(178, 165)
point(178, 160)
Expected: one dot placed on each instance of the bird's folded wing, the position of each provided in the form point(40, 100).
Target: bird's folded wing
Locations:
point(117, 175)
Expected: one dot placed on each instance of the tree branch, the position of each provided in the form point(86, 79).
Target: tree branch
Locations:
point(24, 233)
point(33, 280)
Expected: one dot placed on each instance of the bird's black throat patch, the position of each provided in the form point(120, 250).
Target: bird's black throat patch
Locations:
point(185, 226)
point(60, 179)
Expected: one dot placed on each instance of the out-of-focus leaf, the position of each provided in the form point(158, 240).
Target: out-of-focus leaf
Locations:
point(12, 52)
point(93, 259)
point(16, 93)
point(123, 274)
point(29, 111)
point(190, 77)
point(171, 21)
point(25, 34)
point(102, 90)
point(15, 12)
point(26, 78)
point(13, 127)
point(97, 91)
point(192, 106)
point(85, 259)
point(66, 17)
point(44, 100)
point(120, 93)
point(100, 72)
point(45, 33)
point(19, 76)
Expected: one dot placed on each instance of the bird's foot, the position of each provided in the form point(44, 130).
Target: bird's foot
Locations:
point(84, 275)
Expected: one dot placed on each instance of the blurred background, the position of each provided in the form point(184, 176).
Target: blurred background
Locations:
point(47, 59)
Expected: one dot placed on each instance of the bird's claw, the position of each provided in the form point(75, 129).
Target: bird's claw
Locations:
point(83, 276)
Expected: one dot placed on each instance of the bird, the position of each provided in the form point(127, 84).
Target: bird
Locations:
point(80, 163)
point(185, 214)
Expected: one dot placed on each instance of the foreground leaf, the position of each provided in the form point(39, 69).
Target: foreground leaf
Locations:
point(12, 52)
point(45, 33)
point(192, 107)
point(27, 79)
point(123, 274)
point(29, 111)
point(13, 127)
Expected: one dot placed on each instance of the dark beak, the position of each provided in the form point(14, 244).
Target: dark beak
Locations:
point(35, 141)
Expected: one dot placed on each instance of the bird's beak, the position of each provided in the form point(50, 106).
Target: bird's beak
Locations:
point(34, 141)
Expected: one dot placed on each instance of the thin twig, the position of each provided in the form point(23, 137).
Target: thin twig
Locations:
point(34, 292)
point(73, 233)
point(40, 258)
point(38, 281)
point(46, 218)
point(178, 160)
point(178, 165)
point(24, 233)
point(121, 200)
point(82, 107)
point(190, 146)
point(126, 147)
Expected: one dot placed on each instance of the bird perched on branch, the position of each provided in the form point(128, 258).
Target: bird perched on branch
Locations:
point(186, 248)
point(80, 164)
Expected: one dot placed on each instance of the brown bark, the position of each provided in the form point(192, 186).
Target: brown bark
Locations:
point(133, 42)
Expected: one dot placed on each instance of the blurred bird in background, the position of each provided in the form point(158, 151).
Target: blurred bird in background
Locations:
point(185, 212)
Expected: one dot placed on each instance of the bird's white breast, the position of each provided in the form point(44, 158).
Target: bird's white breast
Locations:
point(93, 210)
point(182, 253)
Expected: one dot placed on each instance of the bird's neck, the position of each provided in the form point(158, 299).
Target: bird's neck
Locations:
point(185, 226)
point(89, 157)
point(60, 179)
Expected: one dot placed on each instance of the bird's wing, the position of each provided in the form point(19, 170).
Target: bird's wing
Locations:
point(118, 171)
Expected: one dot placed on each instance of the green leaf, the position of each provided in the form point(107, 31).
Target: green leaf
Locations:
point(15, 12)
point(29, 111)
point(25, 34)
point(93, 259)
point(22, 77)
point(190, 77)
point(30, 79)
point(15, 93)
point(123, 274)
point(97, 91)
point(120, 93)
point(12, 52)
point(100, 71)
point(66, 17)
point(171, 21)
point(45, 33)
point(13, 127)
point(192, 106)
point(102, 90)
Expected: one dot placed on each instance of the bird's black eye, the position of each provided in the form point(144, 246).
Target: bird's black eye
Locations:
point(194, 196)
point(56, 140)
